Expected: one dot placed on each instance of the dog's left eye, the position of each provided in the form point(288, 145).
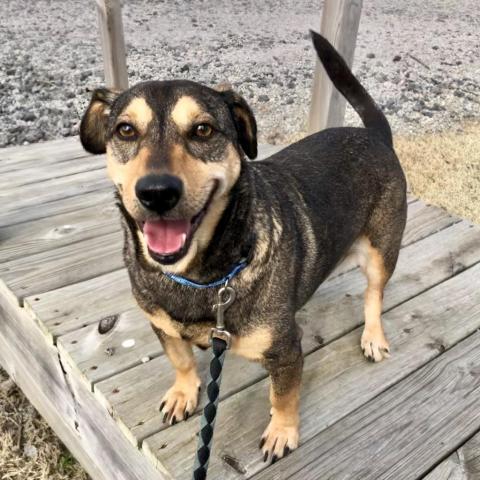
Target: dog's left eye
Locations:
point(126, 131)
point(203, 130)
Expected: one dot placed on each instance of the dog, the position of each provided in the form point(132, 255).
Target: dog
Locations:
point(193, 205)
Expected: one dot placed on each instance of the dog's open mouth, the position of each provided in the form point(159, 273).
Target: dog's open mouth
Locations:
point(169, 240)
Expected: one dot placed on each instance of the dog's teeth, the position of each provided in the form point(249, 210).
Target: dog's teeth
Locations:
point(184, 237)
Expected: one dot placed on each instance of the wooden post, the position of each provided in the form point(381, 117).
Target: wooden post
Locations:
point(340, 20)
point(113, 45)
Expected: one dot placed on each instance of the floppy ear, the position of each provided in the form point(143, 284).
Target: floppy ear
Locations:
point(244, 120)
point(94, 124)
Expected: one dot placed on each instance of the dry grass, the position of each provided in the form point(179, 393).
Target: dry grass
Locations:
point(444, 169)
point(29, 450)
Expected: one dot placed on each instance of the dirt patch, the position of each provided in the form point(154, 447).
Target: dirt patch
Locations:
point(28, 447)
point(444, 169)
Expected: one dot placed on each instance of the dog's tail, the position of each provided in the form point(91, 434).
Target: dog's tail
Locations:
point(348, 85)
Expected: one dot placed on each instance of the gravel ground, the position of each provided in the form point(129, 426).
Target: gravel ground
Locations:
point(418, 58)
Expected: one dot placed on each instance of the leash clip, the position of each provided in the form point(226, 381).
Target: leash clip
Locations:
point(226, 296)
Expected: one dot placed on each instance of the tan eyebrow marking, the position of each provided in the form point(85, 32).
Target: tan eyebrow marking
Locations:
point(185, 111)
point(138, 112)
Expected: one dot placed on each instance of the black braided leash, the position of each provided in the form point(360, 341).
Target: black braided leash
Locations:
point(207, 425)
point(220, 339)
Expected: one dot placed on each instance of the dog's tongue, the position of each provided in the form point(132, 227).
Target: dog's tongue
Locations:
point(166, 236)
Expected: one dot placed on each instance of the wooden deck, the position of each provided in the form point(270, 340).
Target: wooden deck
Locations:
point(63, 286)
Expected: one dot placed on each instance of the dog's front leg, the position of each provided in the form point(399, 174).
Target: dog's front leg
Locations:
point(181, 399)
point(281, 435)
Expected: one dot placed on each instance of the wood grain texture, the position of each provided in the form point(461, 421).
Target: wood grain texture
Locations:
point(45, 153)
point(423, 220)
point(335, 309)
point(35, 195)
point(65, 149)
point(336, 382)
point(70, 308)
point(65, 265)
point(449, 469)
point(18, 215)
point(463, 464)
point(48, 233)
point(41, 172)
point(81, 422)
point(99, 355)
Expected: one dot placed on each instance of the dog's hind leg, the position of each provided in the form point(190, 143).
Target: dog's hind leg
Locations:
point(377, 253)
point(374, 344)
point(180, 401)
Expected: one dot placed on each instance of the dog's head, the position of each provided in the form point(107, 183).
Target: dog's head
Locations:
point(174, 152)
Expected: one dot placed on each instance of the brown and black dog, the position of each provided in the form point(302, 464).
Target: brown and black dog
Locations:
point(193, 205)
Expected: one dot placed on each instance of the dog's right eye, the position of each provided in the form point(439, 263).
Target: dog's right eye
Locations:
point(126, 132)
point(203, 130)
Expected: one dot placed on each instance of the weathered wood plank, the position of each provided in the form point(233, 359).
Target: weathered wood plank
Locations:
point(423, 220)
point(97, 355)
point(75, 415)
point(337, 381)
point(403, 432)
point(58, 311)
point(48, 233)
point(15, 216)
point(49, 190)
point(41, 172)
point(44, 153)
point(463, 464)
point(340, 20)
point(65, 265)
point(336, 308)
point(449, 469)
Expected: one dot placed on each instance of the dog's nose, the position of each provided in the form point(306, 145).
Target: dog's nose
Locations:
point(159, 193)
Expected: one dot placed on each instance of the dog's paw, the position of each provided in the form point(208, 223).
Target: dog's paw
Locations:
point(279, 439)
point(374, 345)
point(181, 400)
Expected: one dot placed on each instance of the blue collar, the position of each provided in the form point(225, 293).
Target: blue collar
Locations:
point(217, 283)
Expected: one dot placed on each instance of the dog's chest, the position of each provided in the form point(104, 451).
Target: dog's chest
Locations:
point(251, 343)
point(188, 314)
point(197, 333)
